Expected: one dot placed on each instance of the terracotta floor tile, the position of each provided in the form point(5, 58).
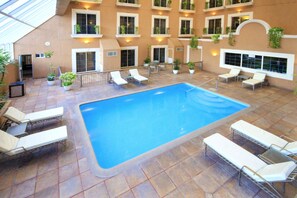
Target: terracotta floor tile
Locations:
point(127, 194)
point(134, 176)
point(97, 191)
point(24, 189)
point(151, 167)
point(116, 185)
point(190, 147)
point(178, 174)
point(190, 189)
point(5, 193)
point(163, 184)
point(145, 190)
point(83, 165)
point(50, 192)
point(70, 187)
point(47, 180)
point(26, 172)
point(88, 179)
point(67, 158)
point(207, 184)
point(167, 159)
point(68, 171)
point(47, 164)
point(79, 195)
point(174, 194)
point(7, 179)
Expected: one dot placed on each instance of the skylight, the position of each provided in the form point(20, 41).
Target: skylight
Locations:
point(19, 17)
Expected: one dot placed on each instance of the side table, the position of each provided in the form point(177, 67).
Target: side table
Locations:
point(17, 130)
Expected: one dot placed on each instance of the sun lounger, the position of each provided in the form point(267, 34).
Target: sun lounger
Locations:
point(263, 138)
point(234, 72)
point(19, 117)
point(117, 78)
point(11, 146)
point(135, 74)
point(258, 78)
point(261, 173)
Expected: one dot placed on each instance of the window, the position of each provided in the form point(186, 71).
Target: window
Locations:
point(160, 24)
point(234, 20)
point(85, 61)
point(127, 24)
point(112, 53)
point(240, 1)
point(130, 3)
point(277, 65)
point(85, 22)
point(127, 1)
point(215, 3)
point(159, 54)
point(213, 25)
point(187, 5)
point(127, 57)
point(161, 3)
point(186, 26)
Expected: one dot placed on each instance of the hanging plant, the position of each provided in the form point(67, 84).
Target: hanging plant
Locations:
point(274, 37)
point(194, 42)
point(215, 38)
point(231, 39)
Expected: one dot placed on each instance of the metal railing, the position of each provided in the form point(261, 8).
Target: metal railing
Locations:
point(85, 78)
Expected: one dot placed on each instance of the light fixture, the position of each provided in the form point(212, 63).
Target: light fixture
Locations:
point(159, 39)
point(214, 53)
point(86, 41)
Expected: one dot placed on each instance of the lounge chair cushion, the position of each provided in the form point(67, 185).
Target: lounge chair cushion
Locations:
point(117, 79)
point(233, 73)
point(277, 172)
point(291, 147)
point(251, 81)
point(45, 114)
point(15, 115)
point(7, 142)
point(135, 74)
point(259, 135)
point(241, 158)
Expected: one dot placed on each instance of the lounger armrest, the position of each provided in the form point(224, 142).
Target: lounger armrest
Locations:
point(23, 148)
point(288, 138)
point(273, 146)
point(264, 180)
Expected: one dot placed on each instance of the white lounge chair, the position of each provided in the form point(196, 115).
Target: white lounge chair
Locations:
point(135, 74)
point(254, 168)
point(117, 78)
point(258, 78)
point(19, 117)
point(10, 145)
point(234, 72)
point(263, 138)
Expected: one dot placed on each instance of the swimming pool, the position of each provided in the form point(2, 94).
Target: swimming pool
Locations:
point(125, 127)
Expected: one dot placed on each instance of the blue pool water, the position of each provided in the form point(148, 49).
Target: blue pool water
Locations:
point(124, 127)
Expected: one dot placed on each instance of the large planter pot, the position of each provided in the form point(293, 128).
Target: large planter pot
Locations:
point(67, 88)
point(146, 64)
point(51, 83)
point(192, 71)
point(175, 71)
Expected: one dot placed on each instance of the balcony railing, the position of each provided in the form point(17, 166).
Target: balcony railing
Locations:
point(213, 4)
point(131, 3)
point(232, 2)
point(161, 4)
point(186, 31)
point(187, 6)
point(123, 30)
point(217, 30)
point(158, 30)
point(88, 30)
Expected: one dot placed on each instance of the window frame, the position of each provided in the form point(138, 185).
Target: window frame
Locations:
point(290, 62)
point(153, 26)
point(85, 50)
point(74, 22)
point(180, 23)
point(230, 16)
point(135, 48)
point(207, 19)
point(159, 46)
point(136, 24)
point(186, 10)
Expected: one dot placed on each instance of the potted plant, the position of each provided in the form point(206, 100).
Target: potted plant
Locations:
point(191, 66)
point(215, 38)
point(147, 61)
point(275, 35)
point(176, 66)
point(194, 42)
point(51, 79)
point(123, 29)
point(67, 80)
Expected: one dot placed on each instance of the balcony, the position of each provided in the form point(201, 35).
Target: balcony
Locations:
point(238, 3)
point(213, 5)
point(187, 7)
point(186, 32)
point(124, 31)
point(128, 3)
point(160, 5)
point(160, 32)
point(210, 31)
point(89, 31)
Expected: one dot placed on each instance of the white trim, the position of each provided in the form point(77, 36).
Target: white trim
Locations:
point(125, 14)
point(263, 23)
point(230, 16)
point(159, 46)
point(290, 62)
point(80, 11)
point(214, 17)
point(188, 53)
point(135, 48)
point(97, 55)
point(180, 23)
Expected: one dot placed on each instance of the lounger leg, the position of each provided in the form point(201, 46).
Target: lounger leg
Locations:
point(205, 150)
point(239, 178)
point(284, 187)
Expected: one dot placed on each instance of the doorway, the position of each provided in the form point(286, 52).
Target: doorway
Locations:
point(25, 66)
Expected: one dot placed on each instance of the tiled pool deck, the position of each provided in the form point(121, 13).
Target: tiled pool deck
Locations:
point(180, 172)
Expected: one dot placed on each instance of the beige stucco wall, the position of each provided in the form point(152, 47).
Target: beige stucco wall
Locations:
point(58, 29)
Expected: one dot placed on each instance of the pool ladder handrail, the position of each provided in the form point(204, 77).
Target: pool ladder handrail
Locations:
point(217, 82)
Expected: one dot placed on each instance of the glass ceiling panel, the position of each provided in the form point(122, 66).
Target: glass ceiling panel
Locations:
point(19, 17)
